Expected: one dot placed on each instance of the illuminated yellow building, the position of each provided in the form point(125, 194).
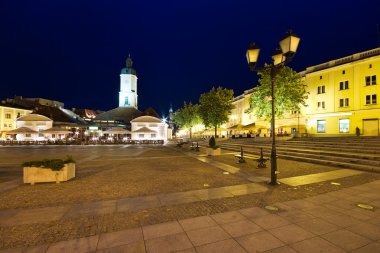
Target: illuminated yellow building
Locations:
point(8, 116)
point(342, 96)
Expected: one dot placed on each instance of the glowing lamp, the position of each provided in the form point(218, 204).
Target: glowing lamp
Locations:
point(278, 57)
point(252, 55)
point(289, 43)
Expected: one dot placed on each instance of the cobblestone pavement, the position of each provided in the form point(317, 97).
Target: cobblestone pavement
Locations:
point(330, 222)
point(229, 218)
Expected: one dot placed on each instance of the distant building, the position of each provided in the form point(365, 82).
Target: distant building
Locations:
point(30, 102)
point(149, 128)
point(128, 101)
point(8, 115)
point(34, 122)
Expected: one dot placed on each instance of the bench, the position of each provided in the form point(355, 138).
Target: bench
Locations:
point(193, 147)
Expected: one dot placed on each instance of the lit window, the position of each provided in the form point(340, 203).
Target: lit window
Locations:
point(321, 89)
point(343, 102)
point(344, 125)
point(371, 99)
point(367, 80)
point(321, 126)
point(343, 85)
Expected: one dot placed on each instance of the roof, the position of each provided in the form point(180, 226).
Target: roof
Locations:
point(144, 130)
point(123, 114)
point(147, 119)
point(34, 117)
point(86, 113)
point(16, 106)
point(150, 112)
point(117, 130)
point(55, 130)
point(22, 130)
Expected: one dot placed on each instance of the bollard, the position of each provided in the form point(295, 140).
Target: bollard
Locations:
point(241, 159)
point(261, 161)
point(197, 147)
point(192, 145)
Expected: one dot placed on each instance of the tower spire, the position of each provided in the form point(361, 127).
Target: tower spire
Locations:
point(129, 61)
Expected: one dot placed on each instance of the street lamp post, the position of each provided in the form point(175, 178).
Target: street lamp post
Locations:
point(281, 56)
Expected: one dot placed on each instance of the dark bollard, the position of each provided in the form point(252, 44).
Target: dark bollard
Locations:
point(241, 159)
point(192, 146)
point(261, 161)
point(197, 147)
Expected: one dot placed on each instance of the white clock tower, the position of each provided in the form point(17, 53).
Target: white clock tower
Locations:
point(128, 86)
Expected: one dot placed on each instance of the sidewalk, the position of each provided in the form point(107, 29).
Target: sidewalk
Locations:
point(330, 222)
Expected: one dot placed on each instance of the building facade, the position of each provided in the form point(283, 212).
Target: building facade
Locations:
point(342, 97)
point(128, 86)
point(8, 116)
point(148, 128)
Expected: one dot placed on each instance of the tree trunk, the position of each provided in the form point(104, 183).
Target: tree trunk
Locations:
point(191, 134)
point(216, 130)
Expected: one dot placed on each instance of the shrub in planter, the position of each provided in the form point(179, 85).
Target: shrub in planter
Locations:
point(213, 149)
point(49, 170)
point(357, 131)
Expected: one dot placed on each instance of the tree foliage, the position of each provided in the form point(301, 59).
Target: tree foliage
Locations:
point(215, 106)
point(290, 93)
point(187, 116)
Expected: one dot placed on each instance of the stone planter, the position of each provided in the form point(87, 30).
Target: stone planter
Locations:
point(39, 175)
point(213, 152)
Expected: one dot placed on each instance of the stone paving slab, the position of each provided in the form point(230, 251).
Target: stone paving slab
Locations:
point(39, 215)
point(220, 165)
point(319, 177)
point(295, 227)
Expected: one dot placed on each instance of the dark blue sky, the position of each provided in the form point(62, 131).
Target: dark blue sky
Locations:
point(72, 51)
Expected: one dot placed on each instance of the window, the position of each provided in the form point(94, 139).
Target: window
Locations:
point(320, 77)
point(7, 115)
point(370, 80)
point(343, 72)
point(343, 102)
point(141, 136)
point(344, 125)
point(321, 126)
point(321, 89)
point(371, 99)
point(126, 102)
point(370, 66)
point(321, 105)
point(18, 115)
point(343, 85)
point(152, 135)
point(40, 135)
point(53, 136)
point(27, 135)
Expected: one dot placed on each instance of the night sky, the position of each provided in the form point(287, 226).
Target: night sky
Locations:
point(73, 51)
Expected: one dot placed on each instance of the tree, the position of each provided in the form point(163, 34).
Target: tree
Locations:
point(290, 93)
point(187, 116)
point(215, 106)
